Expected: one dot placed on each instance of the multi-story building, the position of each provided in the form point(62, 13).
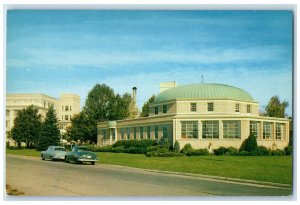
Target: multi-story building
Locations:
point(204, 115)
point(66, 106)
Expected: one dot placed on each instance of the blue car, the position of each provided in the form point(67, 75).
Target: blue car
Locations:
point(54, 153)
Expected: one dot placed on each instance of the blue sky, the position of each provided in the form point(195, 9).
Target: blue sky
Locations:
point(64, 51)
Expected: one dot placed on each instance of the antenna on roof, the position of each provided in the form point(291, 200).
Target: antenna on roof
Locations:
point(202, 78)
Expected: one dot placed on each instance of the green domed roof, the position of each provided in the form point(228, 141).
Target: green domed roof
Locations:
point(203, 91)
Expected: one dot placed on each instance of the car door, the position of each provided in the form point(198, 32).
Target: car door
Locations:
point(46, 153)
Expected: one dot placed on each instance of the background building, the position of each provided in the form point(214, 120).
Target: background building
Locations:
point(204, 115)
point(66, 106)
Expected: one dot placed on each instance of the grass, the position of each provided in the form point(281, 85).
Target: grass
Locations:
point(276, 169)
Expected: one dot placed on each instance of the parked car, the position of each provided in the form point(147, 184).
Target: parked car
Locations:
point(81, 154)
point(54, 153)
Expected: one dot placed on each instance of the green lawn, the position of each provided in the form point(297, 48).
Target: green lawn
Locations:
point(272, 168)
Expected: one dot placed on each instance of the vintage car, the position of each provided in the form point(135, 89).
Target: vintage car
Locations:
point(54, 153)
point(81, 154)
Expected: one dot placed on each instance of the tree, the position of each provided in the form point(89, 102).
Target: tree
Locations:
point(99, 102)
point(250, 144)
point(120, 107)
point(145, 108)
point(50, 134)
point(27, 126)
point(82, 128)
point(275, 108)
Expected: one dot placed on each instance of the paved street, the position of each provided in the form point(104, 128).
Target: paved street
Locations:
point(46, 178)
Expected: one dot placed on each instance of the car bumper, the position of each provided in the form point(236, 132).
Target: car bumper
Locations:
point(87, 160)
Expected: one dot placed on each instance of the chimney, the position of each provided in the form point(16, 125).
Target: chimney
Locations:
point(134, 94)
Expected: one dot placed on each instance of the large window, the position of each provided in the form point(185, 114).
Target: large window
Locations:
point(128, 133)
point(210, 106)
point(189, 129)
point(165, 132)
point(279, 131)
point(156, 110)
point(267, 133)
point(165, 108)
point(104, 134)
point(193, 107)
point(66, 117)
point(66, 108)
point(113, 133)
point(148, 132)
point(210, 129)
point(156, 132)
point(231, 129)
point(134, 133)
point(255, 128)
point(122, 133)
point(141, 132)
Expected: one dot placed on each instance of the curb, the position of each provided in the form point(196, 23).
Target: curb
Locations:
point(237, 180)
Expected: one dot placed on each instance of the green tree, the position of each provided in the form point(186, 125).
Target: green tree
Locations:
point(82, 128)
point(120, 107)
point(145, 108)
point(99, 102)
point(50, 134)
point(249, 144)
point(275, 108)
point(27, 126)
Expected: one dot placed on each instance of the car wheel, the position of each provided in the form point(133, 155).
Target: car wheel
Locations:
point(76, 161)
point(93, 163)
point(66, 160)
point(50, 158)
point(43, 157)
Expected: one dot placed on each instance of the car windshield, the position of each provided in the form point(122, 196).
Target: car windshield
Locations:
point(83, 149)
point(60, 149)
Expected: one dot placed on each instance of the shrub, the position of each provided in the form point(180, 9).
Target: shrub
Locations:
point(136, 150)
point(163, 142)
point(199, 152)
point(187, 149)
point(288, 150)
point(244, 153)
point(166, 154)
point(231, 151)
point(176, 147)
point(119, 149)
point(249, 144)
point(262, 151)
point(107, 148)
point(277, 152)
point(220, 151)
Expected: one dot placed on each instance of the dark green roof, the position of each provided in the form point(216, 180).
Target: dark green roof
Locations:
point(203, 91)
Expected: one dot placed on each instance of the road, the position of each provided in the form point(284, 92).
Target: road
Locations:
point(35, 177)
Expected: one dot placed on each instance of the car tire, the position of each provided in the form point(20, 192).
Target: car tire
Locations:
point(76, 161)
point(43, 157)
point(66, 160)
point(93, 163)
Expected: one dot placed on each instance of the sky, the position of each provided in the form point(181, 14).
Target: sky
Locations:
point(69, 51)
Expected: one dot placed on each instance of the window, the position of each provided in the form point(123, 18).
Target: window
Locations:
point(237, 107)
point(141, 132)
point(210, 106)
point(267, 132)
point(193, 107)
point(248, 109)
point(279, 131)
point(134, 133)
point(156, 110)
point(231, 129)
point(62, 117)
point(122, 133)
point(113, 133)
point(44, 103)
point(128, 133)
point(70, 108)
point(165, 132)
point(165, 108)
point(104, 134)
point(148, 132)
point(189, 129)
point(156, 132)
point(255, 128)
point(66, 108)
point(210, 129)
point(62, 108)
point(66, 117)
